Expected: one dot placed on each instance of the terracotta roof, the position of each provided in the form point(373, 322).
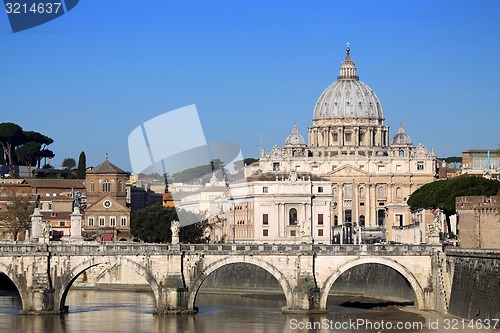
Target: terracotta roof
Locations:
point(106, 167)
point(56, 183)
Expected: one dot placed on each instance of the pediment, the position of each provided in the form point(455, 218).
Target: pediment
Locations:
point(347, 171)
point(99, 206)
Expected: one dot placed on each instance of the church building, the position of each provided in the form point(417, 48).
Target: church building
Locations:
point(107, 216)
point(349, 183)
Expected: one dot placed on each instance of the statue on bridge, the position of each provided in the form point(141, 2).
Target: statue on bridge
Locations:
point(76, 201)
point(45, 229)
point(37, 201)
point(305, 231)
point(175, 227)
point(435, 227)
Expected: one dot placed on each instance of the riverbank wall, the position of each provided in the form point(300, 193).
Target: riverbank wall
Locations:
point(475, 283)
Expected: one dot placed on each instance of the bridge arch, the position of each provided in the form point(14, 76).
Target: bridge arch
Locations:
point(20, 289)
point(198, 281)
point(415, 285)
point(69, 278)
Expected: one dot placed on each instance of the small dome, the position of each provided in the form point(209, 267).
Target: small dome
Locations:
point(401, 138)
point(348, 97)
point(295, 138)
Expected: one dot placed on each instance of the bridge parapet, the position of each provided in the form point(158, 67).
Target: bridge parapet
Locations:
point(377, 249)
point(145, 249)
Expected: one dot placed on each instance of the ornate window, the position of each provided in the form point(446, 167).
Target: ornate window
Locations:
point(292, 216)
point(398, 192)
point(361, 192)
point(123, 221)
point(106, 186)
point(362, 220)
point(380, 217)
point(90, 221)
point(381, 192)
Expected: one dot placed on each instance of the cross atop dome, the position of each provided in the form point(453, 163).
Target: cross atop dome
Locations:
point(348, 67)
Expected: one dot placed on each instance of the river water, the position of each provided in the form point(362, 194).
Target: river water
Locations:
point(131, 312)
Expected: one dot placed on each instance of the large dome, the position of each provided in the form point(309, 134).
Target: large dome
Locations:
point(348, 97)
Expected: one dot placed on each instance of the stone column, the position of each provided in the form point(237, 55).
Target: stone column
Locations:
point(278, 221)
point(76, 225)
point(36, 223)
point(368, 206)
point(341, 211)
point(355, 211)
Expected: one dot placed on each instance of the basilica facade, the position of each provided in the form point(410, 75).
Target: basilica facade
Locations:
point(347, 184)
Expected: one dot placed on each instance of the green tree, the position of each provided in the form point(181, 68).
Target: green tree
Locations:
point(68, 163)
point(82, 166)
point(44, 141)
point(27, 154)
point(17, 216)
point(152, 225)
point(46, 153)
point(11, 136)
point(441, 194)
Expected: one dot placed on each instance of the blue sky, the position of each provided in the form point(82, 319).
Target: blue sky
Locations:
point(88, 78)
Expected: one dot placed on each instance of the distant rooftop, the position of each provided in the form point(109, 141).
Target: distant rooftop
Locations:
point(106, 167)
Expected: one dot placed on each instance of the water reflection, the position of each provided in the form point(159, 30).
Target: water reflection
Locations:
point(131, 312)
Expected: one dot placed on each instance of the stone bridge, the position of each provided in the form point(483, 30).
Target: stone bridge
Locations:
point(44, 273)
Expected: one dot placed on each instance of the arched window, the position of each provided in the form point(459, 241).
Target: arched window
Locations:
point(106, 186)
point(120, 186)
point(294, 153)
point(401, 153)
point(398, 192)
point(362, 220)
point(292, 216)
point(362, 193)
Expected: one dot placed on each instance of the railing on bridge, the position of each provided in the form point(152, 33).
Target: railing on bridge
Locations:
point(93, 248)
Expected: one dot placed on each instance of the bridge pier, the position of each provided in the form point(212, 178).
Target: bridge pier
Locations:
point(305, 297)
point(40, 297)
point(174, 301)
